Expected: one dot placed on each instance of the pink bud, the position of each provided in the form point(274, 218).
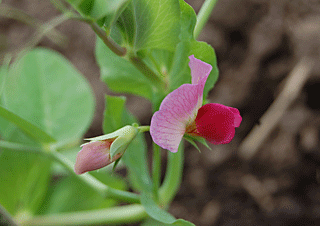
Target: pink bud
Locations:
point(93, 156)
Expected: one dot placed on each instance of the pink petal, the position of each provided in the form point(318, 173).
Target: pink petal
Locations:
point(179, 108)
point(93, 155)
point(166, 131)
point(216, 123)
point(199, 69)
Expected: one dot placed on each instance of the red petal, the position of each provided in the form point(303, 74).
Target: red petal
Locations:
point(216, 123)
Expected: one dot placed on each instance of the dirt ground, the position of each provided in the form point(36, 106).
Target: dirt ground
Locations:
point(259, 45)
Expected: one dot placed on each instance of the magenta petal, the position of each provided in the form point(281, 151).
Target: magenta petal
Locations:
point(199, 70)
point(93, 155)
point(216, 123)
point(237, 116)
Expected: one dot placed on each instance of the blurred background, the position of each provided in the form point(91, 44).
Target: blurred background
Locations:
point(268, 53)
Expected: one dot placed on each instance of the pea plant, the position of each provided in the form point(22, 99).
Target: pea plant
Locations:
point(148, 48)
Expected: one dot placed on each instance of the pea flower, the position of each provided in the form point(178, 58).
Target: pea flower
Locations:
point(181, 112)
point(104, 150)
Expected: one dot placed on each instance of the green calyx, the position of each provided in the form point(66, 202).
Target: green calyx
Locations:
point(121, 139)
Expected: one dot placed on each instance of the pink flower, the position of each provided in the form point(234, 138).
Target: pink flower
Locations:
point(181, 112)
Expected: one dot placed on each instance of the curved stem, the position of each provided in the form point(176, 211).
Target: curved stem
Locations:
point(102, 189)
point(20, 147)
point(146, 71)
point(173, 177)
point(156, 170)
point(116, 215)
point(13, 13)
point(114, 47)
point(203, 16)
point(122, 52)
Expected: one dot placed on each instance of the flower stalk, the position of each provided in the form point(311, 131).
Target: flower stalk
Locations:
point(203, 16)
point(116, 215)
point(156, 170)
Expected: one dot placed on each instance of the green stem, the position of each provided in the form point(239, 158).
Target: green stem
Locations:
point(60, 6)
point(173, 178)
point(122, 52)
point(156, 170)
point(19, 147)
point(143, 129)
point(146, 71)
point(116, 215)
point(4, 71)
point(102, 189)
point(203, 16)
point(114, 47)
point(13, 13)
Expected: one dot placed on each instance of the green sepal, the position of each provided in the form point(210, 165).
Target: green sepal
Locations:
point(115, 164)
point(187, 138)
point(192, 139)
point(121, 139)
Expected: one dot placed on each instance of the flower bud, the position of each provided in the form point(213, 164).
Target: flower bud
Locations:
point(103, 150)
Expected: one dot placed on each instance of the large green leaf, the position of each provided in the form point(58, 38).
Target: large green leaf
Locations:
point(44, 97)
point(119, 74)
point(97, 9)
point(127, 25)
point(24, 176)
point(135, 156)
point(157, 24)
point(46, 90)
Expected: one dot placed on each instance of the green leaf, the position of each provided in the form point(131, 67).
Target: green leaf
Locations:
point(119, 74)
point(113, 114)
point(24, 180)
point(205, 52)
point(127, 25)
point(97, 9)
point(46, 90)
point(154, 211)
point(135, 157)
point(157, 24)
point(180, 72)
point(69, 195)
point(153, 222)
point(25, 126)
point(46, 97)
point(25, 175)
